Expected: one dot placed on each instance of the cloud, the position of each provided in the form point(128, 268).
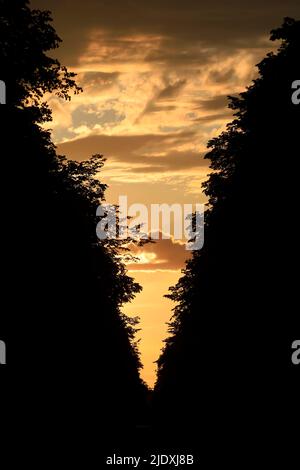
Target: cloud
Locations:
point(223, 76)
point(173, 161)
point(123, 147)
point(91, 115)
point(163, 254)
point(97, 81)
point(146, 153)
point(210, 118)
point(172, 90)
point(161, 99)
point(213, 104)
point(156, 68)
point(183, 27)
point(152, 107)
point(155, 76)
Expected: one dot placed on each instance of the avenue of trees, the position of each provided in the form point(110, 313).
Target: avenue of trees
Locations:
point(226, 366)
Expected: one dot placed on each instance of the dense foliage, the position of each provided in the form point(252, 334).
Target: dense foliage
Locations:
point(228, 357)
point(63, 289)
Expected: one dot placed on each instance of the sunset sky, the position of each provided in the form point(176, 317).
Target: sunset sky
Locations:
point(155, 76)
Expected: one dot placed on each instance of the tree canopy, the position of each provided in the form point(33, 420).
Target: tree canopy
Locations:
point(227, 361)
point(63, 288)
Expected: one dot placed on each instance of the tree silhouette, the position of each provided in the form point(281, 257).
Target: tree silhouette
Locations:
point(71, 347)
point(226, 366)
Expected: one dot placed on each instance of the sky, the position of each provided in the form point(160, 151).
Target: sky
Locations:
point(156, 76)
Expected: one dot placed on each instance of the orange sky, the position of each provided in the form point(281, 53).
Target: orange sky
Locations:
point(155, 78)
point(154, 311)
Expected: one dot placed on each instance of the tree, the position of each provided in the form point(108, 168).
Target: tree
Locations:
point(227, 363)
point(70, 346)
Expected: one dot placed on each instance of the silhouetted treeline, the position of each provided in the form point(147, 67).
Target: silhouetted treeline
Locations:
point(226, 370)
point(71, 355)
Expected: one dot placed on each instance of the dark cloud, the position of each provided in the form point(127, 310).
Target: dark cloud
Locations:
point(172, 161)
point(217, 105)
point(222, 76)
point(177, 54)
point(97, 80)
point(152, 107)
point(213, 104)
point(166, 94)
point(182, 25)
point(126, 146)
point(172, 90)
point(143, 150)
point(169, 255)
point(209, 118)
